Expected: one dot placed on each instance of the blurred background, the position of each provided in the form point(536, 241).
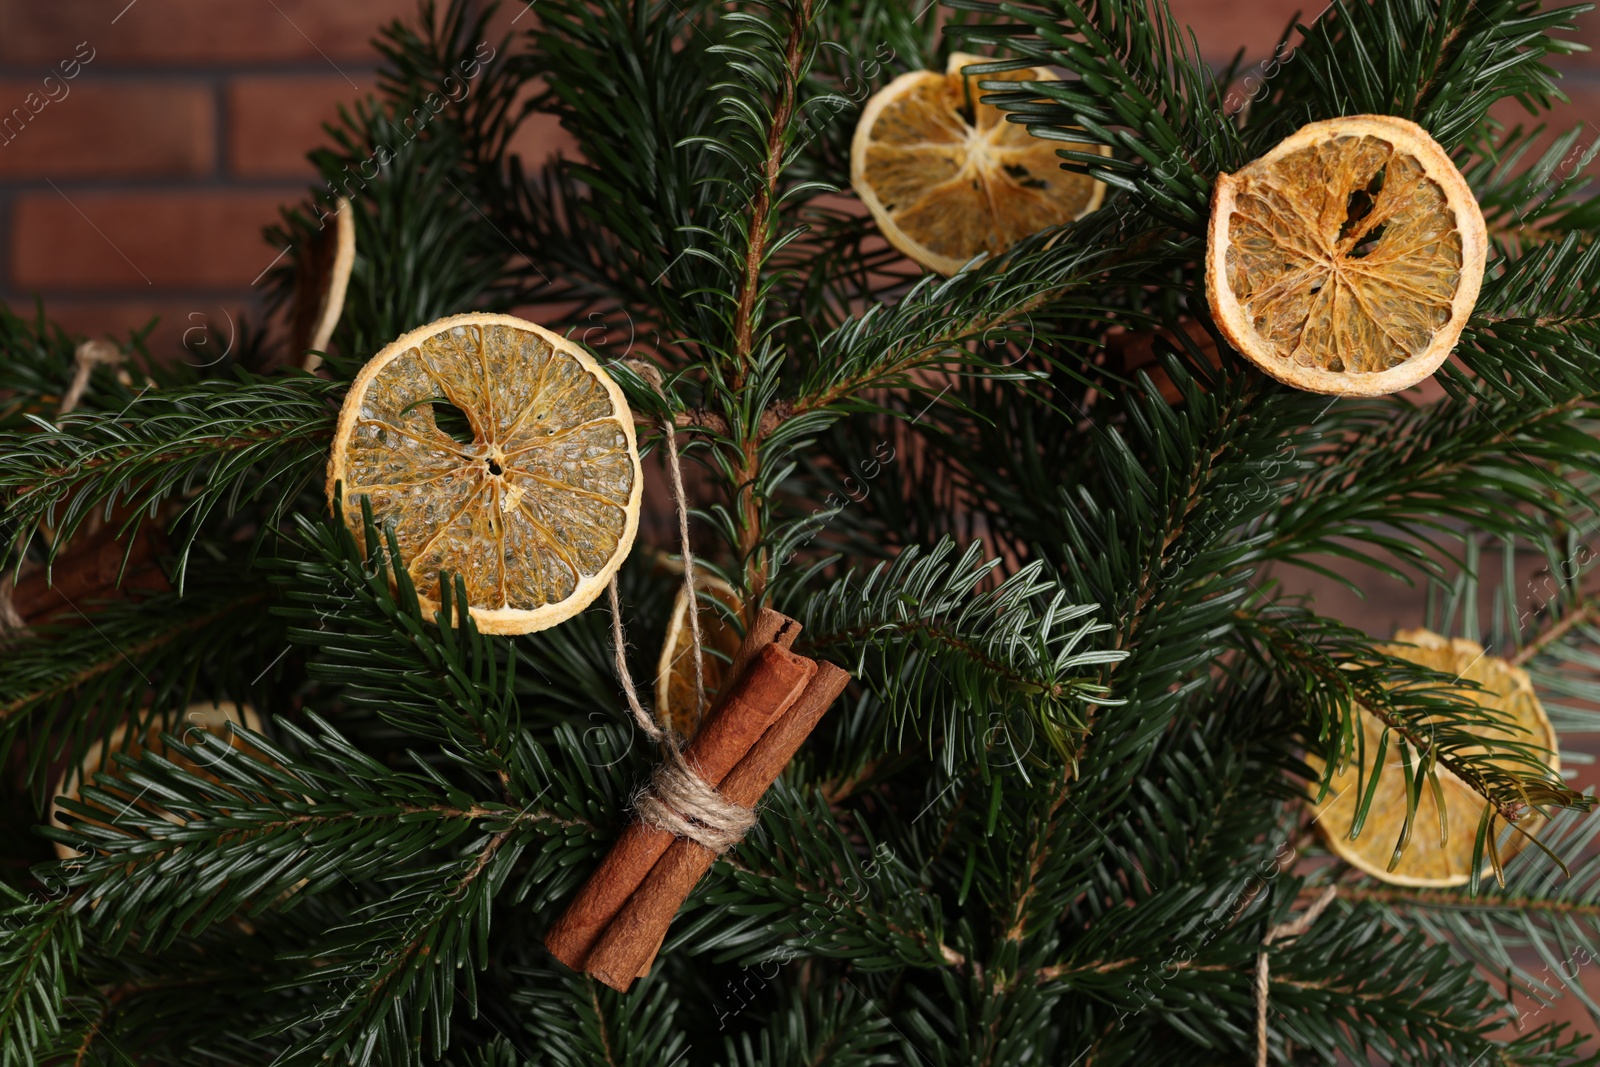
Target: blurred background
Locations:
point(135, 183)
point(146, 144)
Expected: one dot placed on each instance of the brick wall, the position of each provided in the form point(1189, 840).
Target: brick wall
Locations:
point(141, 185)
point(169, 132)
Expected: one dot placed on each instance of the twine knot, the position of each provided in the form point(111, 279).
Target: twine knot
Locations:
point(650, 373)
point(680, 802)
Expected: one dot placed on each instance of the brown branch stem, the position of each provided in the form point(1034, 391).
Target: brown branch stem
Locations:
point(94, 670)
point(1584, 612)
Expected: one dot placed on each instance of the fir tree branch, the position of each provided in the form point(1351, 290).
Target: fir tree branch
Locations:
point(1420, 707)
point(759, 223)
point(959, 893)
point(135, 663)
point(1503, 467)
point(435, 678)
point(936, 321)
point(1539, 912)
point(1441, 899)
point(1539, 200)
point(40, 941)
point(819, 1028)
point(945, 656)
point(38, 364)
point(395, 984)
point(236, 442)
point(786, 66)
point(113, 657)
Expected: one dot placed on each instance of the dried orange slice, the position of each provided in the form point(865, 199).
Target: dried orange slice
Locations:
point(212, 718)
point(947, 177)
point(531, 491)
point(1426, 861)
point(321, 280)
point(1347, 259)
point(675, 702)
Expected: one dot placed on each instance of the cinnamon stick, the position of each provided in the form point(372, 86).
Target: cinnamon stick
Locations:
point(770, 628)
point(629, 944)
point(773, 681)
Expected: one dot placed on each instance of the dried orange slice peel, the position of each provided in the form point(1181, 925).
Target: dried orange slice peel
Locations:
point(320, 291)
point(1426, 861)
point(1347, 259)
point(675, 700)
point(946, 177)
point(533, 499)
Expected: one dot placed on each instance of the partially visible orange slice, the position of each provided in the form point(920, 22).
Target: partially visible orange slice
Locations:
point(532, 497)
point(322, 278)
point(947, 177)
point(1348, 258)
point(1426, 861)
point(675, 699)
point(97, 762)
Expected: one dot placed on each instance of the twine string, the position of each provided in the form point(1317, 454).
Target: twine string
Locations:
point(677, 799)
point(668, 427)
point(85, 358)
point(1263, 973)
point(619, 645)
point(668, 431)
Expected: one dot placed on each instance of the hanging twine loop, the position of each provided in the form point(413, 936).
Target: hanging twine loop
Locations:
point(1288, 929)
point(86, 358)
point(668, 427)
point(677, 799)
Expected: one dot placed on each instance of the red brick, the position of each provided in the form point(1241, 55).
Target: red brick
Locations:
point(275, 121)
point(109, 128)
point(1224, 26)
point(105, 240)
point(195, 31)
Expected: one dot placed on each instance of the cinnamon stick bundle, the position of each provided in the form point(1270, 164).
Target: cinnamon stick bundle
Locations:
point(629, 945)
point(615, 925)
point(772, 679)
